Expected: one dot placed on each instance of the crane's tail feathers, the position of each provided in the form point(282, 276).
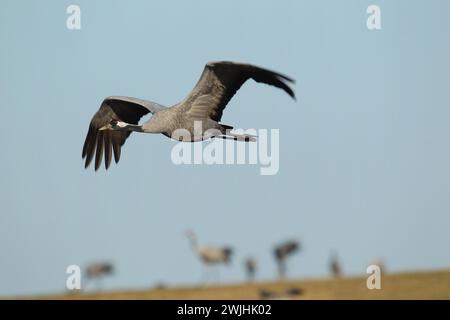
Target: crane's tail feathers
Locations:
point(225, 127)
point(228, 252)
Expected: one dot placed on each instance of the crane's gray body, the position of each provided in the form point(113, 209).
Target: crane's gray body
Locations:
point(174, 122)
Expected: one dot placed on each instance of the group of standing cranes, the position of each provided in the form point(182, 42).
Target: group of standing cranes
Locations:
point(211, 256)
point(216, 255)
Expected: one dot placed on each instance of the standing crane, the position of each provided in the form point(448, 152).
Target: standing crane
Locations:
point(335, 265)
point(97, 271)
point(209, 255)
point(250, 268)
point(195, 118)
point(282, 252)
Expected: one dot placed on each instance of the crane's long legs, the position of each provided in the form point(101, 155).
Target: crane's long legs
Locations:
point(210, 274)
point(204, 276)
point(238, 137)
point(217, 274)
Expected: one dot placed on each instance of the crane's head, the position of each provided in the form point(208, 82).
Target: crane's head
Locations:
point(115, 125)
point(192, 238)
point(190, 234)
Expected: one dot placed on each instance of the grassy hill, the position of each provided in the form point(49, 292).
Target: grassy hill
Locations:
point(417, 285)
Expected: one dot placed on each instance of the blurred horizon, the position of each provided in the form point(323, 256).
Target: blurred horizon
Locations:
point(364, 151)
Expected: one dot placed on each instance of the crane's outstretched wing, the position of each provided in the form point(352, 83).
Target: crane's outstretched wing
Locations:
point(97, 141)
point(220, 81)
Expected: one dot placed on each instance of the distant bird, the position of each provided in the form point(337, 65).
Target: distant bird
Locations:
point(98, 271)
point(335, 265)
point(250, 268)
point(282, 252)
point(160, 286)
point(209, 255)
point(286, 295)
point(119, 116)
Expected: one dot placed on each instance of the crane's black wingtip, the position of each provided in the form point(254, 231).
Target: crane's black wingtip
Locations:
point(284, 77)
point(291, 93)
point(86, 166)
point(289, 79)
point(97, 165)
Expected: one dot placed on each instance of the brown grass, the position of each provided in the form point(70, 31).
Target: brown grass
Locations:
point(417, 285)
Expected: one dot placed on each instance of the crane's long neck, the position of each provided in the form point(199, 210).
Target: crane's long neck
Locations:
point(134, 127)
point(194, 244)
point(149, 127)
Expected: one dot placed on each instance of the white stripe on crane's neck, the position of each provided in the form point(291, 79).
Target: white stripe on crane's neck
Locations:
point(133, 127)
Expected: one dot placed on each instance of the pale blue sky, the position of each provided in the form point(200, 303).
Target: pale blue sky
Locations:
point(365, 150)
